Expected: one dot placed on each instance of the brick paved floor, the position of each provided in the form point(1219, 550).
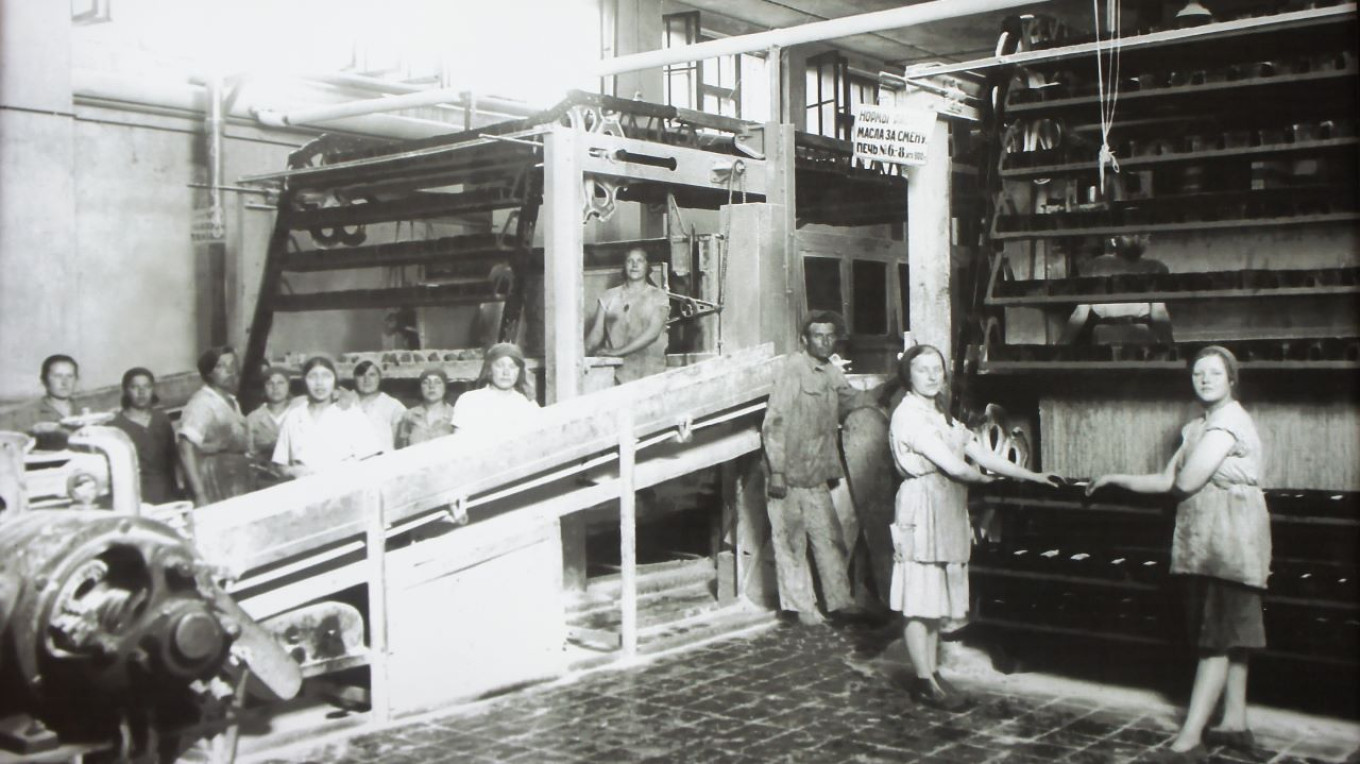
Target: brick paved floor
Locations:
point(778, 695)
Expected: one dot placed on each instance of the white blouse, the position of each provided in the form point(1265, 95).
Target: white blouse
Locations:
point(488, 408)
point(321, 441)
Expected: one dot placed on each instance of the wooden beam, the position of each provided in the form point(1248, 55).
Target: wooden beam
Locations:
point(928, 244)
point(628, 599)
point(563, 264)
point(605, 154)
point(375, 548)
point(295, 518)
point(470, 292)
point(480, 247)
point(520, 515)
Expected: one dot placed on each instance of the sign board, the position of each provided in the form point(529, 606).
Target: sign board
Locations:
point(207, 226)
point(895, 135)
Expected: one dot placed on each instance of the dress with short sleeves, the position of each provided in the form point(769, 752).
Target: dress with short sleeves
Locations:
point(932, 511)
point(1223, 529)
point(424, 422)
point(626, 316)
point(212, 421)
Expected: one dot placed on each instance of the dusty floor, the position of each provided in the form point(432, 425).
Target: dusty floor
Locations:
point(806, 695)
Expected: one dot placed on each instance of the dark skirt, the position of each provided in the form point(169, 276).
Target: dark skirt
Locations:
point(1223, 615)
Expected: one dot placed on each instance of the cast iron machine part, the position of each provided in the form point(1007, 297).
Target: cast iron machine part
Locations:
point(112, 627)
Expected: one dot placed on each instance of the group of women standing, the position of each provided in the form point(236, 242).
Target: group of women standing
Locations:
point(224, 452)
point(1220, 547)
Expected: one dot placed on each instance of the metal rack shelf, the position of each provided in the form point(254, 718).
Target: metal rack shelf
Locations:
point(1289, 83)
point(1135, 162)
point(1203, 225)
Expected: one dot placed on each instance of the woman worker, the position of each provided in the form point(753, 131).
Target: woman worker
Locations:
point(1221, 545)
point(60, 374)
point(433, 418)
point(383, 411)
point(932, 540)
point(213, 438)
point(501, 398)
point(321, 434)
point(262, 424)
point(630, 322)
point(152, 435)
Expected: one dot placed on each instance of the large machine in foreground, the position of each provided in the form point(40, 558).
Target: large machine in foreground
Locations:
point(114, 633)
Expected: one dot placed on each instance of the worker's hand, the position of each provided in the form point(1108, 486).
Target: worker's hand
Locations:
point(1098, 484)
point(777, 488)
point(1049, 479)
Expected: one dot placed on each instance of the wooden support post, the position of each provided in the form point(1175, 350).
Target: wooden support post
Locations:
point(628, 532)
point(376, 553)
point(780, 193)
point(563, 264)
point(774, 64)
point(928, 244)
point(725, 535)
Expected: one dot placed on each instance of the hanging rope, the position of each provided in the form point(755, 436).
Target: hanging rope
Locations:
point(1108, 105)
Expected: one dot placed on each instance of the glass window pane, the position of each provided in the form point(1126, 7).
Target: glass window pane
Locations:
point(870, 282)
point(822, 277)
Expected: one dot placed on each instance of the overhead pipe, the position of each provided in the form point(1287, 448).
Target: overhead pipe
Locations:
point(162, 95)
point(438, 97)
point(817, 31)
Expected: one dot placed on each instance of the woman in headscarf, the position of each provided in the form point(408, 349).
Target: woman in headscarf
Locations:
point(501, 398)
point(383, 411)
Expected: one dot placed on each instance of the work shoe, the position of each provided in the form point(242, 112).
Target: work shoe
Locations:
point(926, 692)
point(1238, 740)
point(1167, 756)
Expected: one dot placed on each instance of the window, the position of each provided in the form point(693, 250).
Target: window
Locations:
point(682, 80)
point(713, 85)
point(869, 279)
point(822, 280)
point(833, 92)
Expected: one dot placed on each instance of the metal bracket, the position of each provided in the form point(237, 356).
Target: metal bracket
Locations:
point(692, 307)
point(457, 511)
point(601, 199)
point(684, 430)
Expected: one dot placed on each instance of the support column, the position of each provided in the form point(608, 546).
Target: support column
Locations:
point(779, 152)
point(928, 245)
point(563, 263)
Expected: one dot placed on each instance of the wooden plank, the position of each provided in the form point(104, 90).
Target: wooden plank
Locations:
point(415, 207)
point(521, 514)
point(602, 154)
point(479, 247)
point(1308, 444)
point(563, 264)
point(470, 292)
point(858, 247)
point(628, 599)
point(928, 244)
point(289, 520)
point(375, 548)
